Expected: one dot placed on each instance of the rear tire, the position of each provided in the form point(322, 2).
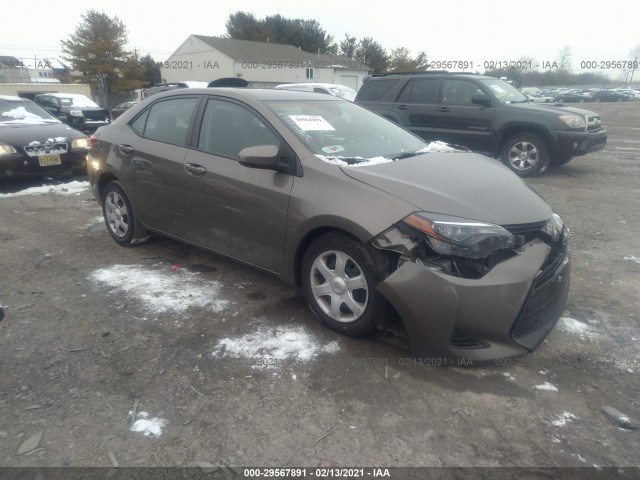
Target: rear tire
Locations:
point(339, 275)
point(526, 154)
point(119, 216)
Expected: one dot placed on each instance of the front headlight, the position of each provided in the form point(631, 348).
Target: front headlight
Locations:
point(554, 227)
point(573, 121)
point(80, 143)
point(7, 150)
point(76, 113)
point(460, 236)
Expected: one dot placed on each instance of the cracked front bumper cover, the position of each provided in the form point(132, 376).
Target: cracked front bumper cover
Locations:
point(435, 307)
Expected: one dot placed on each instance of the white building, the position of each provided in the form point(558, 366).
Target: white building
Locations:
point(261, 64)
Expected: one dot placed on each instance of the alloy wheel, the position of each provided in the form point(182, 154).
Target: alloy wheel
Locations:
point(117, 214)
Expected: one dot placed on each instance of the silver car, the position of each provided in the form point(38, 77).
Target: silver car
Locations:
point(372, 222)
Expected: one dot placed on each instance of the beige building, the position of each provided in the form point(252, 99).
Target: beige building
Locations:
point(261, 64)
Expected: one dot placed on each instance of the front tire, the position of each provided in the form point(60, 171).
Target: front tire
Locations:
point(526, 154)
point(339, 275)
point(119, 216)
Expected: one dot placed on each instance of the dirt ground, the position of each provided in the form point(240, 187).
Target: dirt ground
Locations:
point(231, 368)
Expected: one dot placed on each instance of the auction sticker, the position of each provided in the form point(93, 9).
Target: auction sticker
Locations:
point(310, 123)
point(333, 149)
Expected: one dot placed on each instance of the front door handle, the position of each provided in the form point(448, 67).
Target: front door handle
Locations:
point(401, 107)
point(194, 169)
point(126, 149)
point(443, 109)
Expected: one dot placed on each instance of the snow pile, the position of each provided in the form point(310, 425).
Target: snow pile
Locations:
point(149, 427)
point(547, 386)
point(68, 189)
point(571, 325)
point(361, 161)
point(439, 146)
point(632, 258)
point(280, 343)
point(162, 290)
point(564, 418)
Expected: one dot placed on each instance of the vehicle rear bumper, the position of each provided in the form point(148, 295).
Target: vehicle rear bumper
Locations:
point(506, 313)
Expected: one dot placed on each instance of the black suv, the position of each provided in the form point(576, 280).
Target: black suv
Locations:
point(485, 114)
point(77, 111)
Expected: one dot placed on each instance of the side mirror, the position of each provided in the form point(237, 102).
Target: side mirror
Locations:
point(261, 156)
point(481, 99)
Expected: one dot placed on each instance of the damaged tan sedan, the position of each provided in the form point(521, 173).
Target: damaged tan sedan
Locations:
point(373, 223)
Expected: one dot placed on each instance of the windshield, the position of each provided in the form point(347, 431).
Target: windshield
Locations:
point(343, 130)
point(23, 111)
point(77, 101)
point(504, 92)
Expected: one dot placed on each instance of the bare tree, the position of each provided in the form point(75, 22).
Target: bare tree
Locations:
point(634, 59)
point(564, 59)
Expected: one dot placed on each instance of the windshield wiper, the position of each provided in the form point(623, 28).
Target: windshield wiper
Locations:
point(400, 156)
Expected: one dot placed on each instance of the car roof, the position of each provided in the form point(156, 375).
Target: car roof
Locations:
point(260, 94)
point(64, 95)
point(14, 98)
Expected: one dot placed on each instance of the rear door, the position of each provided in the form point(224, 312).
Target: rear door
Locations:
point(233, 209)
point(416, 107)
point(462, 122)
point(151, 153)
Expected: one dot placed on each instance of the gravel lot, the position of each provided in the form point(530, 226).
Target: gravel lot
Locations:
point(163, 355)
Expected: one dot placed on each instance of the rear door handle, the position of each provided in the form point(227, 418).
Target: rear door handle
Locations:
point(194, 169)
point(443, 109)
point(126, 149)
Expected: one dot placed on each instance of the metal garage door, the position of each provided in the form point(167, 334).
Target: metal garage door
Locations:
point(350, 81)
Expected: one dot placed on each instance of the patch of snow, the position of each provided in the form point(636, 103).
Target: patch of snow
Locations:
point(571, 325)
point(547, 386)
point(274, 345)
point(633, 259)
point(94, 221)
point(509, 376)
point(439, 146)
point(162, 290)
point(564, 418)
point(68, 189)
point(149, 427)
point(577, 455)
point(362, 162)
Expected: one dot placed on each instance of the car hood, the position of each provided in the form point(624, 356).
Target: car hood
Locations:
point(466, 185)
point(551, 108)
point(20, 134)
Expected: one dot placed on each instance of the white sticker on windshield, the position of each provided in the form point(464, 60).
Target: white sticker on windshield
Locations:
point(310, 123)
point(333, 149)
point(498, 88)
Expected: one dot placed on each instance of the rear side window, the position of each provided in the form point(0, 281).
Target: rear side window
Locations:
point(420, 90)
point(227, 128)
point(374, 89)
point(167, 121)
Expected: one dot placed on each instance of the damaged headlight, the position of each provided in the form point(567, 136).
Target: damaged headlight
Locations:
point(459, 236)
point(554, 227)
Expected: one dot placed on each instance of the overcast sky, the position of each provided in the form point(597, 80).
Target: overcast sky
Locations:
point(447, 30)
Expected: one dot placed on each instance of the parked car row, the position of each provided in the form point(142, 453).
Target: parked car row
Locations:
point(582, 95)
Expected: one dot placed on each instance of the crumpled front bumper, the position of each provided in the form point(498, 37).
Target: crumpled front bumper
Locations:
point(506, 313)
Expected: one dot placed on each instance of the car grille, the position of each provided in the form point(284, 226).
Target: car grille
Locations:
point(95, 114)
point(460, 340)
point(593, 123)
point(35, 149)
point(547, 298)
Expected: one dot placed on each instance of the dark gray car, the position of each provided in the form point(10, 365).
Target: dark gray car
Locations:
point(361, 213)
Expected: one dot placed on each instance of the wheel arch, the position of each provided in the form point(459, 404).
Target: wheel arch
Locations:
point(509, 130)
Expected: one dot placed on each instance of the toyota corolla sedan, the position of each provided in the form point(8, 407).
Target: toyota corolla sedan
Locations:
point(34, 143)
point(365, 216)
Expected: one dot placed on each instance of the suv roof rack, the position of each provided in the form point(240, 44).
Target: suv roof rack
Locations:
point(423, 72)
